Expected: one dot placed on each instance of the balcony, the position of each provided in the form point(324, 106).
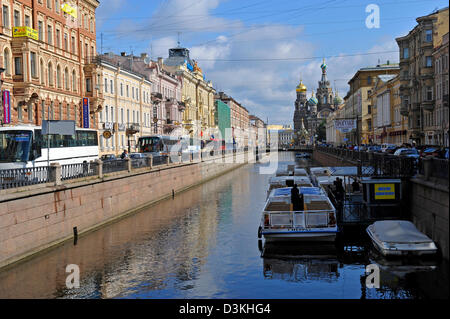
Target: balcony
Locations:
point(428, 105)
point(133, 128)
point(157, 97)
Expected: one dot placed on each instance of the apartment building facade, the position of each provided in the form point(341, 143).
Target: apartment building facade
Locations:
point(45, 51)
point(417, 76)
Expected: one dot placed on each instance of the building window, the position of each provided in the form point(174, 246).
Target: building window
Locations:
point(111, 86)
point(74, 81)
point(41, 66)
point(27, 21)
point(19, 112)
point(58, 38)
point(66, 44)
point(16, 18)
point(43, 110)
point(428, 35)
point(18, 65)
point(33, 64)
point(60, 111)
point(49, 34)
point(49, 4)
point(128, 91)
point(58, 76)
point(121, 89)
point(66, 79)
point(57, 6)
point(73, 44)
point(40, 31)
point(429, 93)
point(68, 112)
point(428, 61)
point(50, 74)
point(30, 112)
point(6, 62)
point(88, 85)
point(6, 16)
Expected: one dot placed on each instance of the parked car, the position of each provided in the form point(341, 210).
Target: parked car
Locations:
point(374, 148)
point(391, 149)
point(137, 155)
point(108, 157)
point(386, 146)
point(430, 151)
point(408, 152)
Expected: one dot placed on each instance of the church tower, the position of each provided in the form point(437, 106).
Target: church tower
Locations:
point(324, 91)
point(301, 111)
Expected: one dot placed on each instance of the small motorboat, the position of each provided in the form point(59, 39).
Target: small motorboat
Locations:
point(400, 237)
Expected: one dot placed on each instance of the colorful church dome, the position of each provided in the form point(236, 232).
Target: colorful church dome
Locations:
point(337, 99)
point(313, 100)
point(323, 66)
point(301, 87)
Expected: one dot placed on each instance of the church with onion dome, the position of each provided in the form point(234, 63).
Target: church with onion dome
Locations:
point(309, 113)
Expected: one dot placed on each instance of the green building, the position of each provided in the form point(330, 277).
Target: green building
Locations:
point(223, 118)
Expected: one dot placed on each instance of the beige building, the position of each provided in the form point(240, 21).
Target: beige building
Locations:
point(358, 104)
point(417, 76)
point(126, 111)
point(388, 125)
point(197, 94)
point(440, 56)
point(46, 52)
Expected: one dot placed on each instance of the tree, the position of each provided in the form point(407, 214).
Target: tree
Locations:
point(322, 131)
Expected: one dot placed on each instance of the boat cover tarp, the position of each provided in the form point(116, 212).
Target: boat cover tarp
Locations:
point(398, 231)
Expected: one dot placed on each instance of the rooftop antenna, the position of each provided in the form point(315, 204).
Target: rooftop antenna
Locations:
point(178, 42)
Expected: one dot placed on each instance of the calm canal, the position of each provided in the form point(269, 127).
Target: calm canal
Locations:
point(203, 244)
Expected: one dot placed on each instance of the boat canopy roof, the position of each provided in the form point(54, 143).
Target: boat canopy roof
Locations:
point(398, 231)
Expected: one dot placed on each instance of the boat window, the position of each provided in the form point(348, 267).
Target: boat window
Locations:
point(15, 146)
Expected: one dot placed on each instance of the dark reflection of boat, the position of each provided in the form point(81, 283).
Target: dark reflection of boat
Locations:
point(298, 263)
point(400, 267)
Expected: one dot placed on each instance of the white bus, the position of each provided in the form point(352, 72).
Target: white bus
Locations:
point(25, 147)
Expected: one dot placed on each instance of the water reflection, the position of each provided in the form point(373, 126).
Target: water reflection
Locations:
point(203, 244)
point(297, 263)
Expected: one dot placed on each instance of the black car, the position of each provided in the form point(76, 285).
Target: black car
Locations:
point(108, 157)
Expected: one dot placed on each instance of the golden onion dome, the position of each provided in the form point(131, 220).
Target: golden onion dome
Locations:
point(301, 87)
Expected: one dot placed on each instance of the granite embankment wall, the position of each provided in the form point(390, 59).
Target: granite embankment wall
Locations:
point(429, 210)
point(35, 219)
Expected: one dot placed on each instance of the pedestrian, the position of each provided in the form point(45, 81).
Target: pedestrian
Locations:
point(340, 188)
point(124, 154)
point(355, 186)
point(295, 198)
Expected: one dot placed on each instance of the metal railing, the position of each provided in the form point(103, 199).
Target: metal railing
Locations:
point(72, 171)
point(12, 178)
point(115, 166)
point(375, 164)
point(433, 167)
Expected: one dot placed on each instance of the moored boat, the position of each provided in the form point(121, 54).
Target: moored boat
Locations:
point(400, 237)
point(316, 222)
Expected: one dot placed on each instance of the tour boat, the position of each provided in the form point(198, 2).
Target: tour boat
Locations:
point(298, 171)
point(399, 237)
point(288, 181)
point(316, 222)
point(302, 155)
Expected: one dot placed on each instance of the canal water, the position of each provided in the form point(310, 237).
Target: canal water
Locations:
point(204, 244)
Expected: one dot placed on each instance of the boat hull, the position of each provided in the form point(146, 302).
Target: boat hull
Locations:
point(322, 236)
point(400, 249)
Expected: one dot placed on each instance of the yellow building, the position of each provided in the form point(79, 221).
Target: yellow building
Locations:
point(197, 94)
point(388, 125)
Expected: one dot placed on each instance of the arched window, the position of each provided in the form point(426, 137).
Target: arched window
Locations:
point(66, 79)
point(7, 61)
point(50, 74)
point(74, 81)
point(41, 68)
point(58, 76)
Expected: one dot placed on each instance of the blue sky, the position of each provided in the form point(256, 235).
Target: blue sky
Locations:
point(256, 51)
